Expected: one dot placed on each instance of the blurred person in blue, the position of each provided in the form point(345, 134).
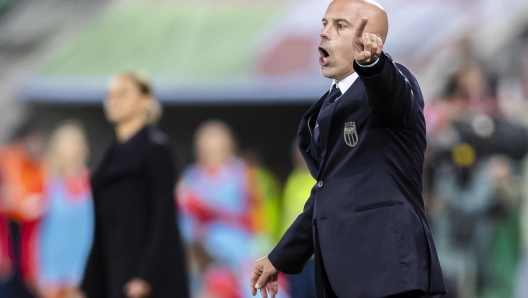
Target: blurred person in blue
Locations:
point(296, 190)
point(222, 214)
point(137, 250)
point(364, 141)
point(67, 226)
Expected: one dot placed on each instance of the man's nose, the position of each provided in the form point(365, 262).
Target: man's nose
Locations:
point(325, 33)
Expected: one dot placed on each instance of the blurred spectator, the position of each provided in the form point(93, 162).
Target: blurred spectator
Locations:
point(296, 193)
point(67, 226)
point(505, 251)
point(483, 228)
point(137, 249)
point(466, 186)
point(468, 195)
point(223, 214)
point(268, 189)
point(521, 290)
point(21, 205)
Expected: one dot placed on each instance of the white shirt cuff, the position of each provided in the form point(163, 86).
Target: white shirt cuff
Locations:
point(370, 65)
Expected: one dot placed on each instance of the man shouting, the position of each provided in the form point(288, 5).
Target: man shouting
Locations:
point(364, 142)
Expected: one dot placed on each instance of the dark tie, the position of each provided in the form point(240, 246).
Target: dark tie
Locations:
point(334, 94)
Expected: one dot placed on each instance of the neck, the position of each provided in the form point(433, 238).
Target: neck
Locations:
point(127, 129)
point(340, 78)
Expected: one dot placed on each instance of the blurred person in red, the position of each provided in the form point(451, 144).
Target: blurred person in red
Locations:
point(137, 250)
point(223, 213)
point(21, 205)
point(66, 229)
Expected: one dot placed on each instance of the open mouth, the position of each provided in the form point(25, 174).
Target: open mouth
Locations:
point(323, 56)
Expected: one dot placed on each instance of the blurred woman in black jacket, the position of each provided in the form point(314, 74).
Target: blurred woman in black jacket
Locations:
point(137, 251)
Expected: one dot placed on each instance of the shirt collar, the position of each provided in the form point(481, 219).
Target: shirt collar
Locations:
point(346, 82)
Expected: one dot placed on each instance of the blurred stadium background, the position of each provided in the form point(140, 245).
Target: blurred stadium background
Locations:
point(253, 64)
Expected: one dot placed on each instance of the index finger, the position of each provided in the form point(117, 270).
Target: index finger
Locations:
point(252, 282)
point(361, 27)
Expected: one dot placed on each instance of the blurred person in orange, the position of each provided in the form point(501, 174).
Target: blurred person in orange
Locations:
point(222, 213)
point(21, 205)
point(136, 250)
point(66, 229)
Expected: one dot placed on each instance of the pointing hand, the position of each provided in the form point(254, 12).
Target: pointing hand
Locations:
point(367, 46)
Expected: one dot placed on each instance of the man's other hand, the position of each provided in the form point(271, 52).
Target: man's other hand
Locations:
point(264, 277)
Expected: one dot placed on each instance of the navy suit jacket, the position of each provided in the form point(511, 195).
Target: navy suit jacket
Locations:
point(365, 218)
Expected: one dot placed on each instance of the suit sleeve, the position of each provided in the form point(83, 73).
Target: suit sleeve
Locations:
point(297, 245)
point(162, 179)
point(393, 93)
point(93, 281)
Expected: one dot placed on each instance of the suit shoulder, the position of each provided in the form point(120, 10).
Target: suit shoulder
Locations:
point(408, 74)
point(404, 70)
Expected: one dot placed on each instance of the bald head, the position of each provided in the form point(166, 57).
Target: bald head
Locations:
point(358, 9)
point(337, 37)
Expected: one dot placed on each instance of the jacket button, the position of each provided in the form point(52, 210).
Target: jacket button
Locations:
point(320, 184)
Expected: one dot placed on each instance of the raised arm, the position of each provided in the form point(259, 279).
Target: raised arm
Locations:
point(393, 93)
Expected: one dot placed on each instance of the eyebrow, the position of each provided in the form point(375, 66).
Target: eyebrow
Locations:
point(341, 20)
point(337, 20)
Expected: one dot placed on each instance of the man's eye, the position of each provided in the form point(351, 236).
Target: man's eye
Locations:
point(340, 26)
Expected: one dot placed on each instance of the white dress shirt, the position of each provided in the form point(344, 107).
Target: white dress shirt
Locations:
point(348, 81)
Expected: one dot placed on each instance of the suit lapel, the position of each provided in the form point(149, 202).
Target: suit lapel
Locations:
point(304, 135)
point(355, 92)
point(325, 122)
point(325, 118)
